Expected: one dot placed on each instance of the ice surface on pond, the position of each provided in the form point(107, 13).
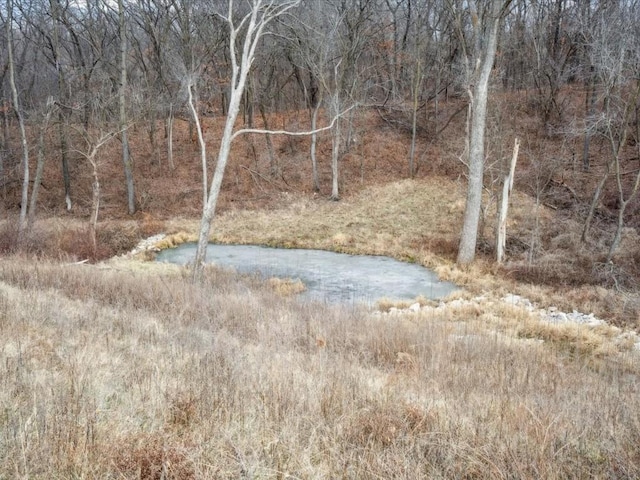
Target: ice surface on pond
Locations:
point(328, 276)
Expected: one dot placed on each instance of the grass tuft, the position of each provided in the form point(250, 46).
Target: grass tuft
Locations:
point(286, 286)
point(173, 240)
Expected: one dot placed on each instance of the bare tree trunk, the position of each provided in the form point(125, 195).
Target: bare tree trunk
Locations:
point(203, 146)
point(62, 119)
point(126, 157)
point(247, 104)
point(4, 149)
point(216, 184)
point(155, 158)
point(469, 234)
point(2, 179)
point(393, 60)
point(414, 119)
point(504, 206)
point(590, 105)
point(273, 161)
point(66, 177)
point(618, 235)
point(169, 127)
point(624, 202)
point(86, 109)
point(314, 143)
point(5, 125)
point(95, 203)
point(594, 203)
point(253, 25)
point(91, 155)
point(350, 139)
point(40, 164)
point(336, 139)
point(478, 93)
point(18, 113)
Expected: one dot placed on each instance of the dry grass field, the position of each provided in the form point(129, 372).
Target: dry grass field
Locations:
point(121, 368)
point(126, 370)
point(122, 372)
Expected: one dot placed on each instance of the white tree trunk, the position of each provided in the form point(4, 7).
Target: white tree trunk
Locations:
point(169, 128)
point(479, 93)
point(203, 147)
point(414, 117)
point(335, 159)
point(253, 25)
point(91, 155)
point(504, 206)
point(216, 184)
point(314, 144)
point(95, 202)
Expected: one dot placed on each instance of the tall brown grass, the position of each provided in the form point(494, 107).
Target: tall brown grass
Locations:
point(70, 239)
point(109, 372)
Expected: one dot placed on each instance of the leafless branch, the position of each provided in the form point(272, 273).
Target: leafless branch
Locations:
point(294, 134)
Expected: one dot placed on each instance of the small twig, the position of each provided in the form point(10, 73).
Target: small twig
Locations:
point(253, 176)
point(81, 262)
point(258, 174)
point(567, 187)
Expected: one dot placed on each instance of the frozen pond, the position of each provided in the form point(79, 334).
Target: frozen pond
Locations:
point(328, 276)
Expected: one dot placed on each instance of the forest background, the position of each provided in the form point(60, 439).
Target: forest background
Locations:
point(397, 122)
point(110, 111)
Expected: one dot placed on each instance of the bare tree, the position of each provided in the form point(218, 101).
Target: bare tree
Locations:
point(478, 58)
point(252, 25)
point(51, 33)
point(124, 136)
point(617, 62)
point(201, 142)
point(589, 76)
point(335, 104)
point(507, 186)
point(93, 144)
point(37, 181)
point(401, 12)
point(18, 112)
point(152, 21)
point(624, 197)
point(72, 40)
point(554, 44)
point(310, 55)
point(422, 64)
point(613, 54)
point(4, 116)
